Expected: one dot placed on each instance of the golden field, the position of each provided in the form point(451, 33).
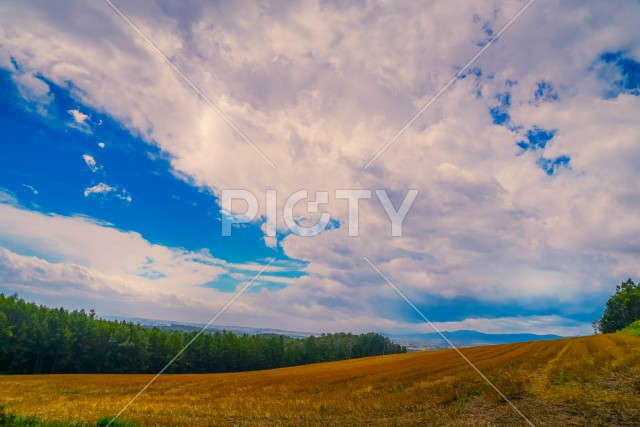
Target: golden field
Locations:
point(591, 380)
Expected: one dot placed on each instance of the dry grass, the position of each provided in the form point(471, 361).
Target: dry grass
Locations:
point(580, 381)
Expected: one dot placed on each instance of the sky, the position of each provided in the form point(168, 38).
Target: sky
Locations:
point(118, 140)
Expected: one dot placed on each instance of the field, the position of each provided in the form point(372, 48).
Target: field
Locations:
point(576, 381)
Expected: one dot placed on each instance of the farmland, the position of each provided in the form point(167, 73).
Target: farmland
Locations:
point(591, 380)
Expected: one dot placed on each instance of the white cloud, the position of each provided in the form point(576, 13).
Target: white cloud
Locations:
point(80, 120)
point(103, 189)
point(76, 254)
point(124, 196)
point(34, 90)
point(101, 144)
point(29, 187)
point(91, 163)
point(79, 117)
point(78, 261)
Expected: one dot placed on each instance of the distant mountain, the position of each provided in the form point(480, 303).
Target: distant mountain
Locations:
point(464, 338)
point(183, 326)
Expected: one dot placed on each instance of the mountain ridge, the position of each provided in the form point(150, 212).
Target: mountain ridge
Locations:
point(466, 338)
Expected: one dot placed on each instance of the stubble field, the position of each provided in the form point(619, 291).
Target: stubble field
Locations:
point(576, 381)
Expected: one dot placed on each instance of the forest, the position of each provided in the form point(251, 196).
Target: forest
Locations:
point(35, 339)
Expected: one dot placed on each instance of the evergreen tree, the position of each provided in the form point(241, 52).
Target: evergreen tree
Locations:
point(621, 310)
point(37, 339)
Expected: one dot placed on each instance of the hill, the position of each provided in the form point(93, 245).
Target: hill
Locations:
point(591, 380)
point(465, 338)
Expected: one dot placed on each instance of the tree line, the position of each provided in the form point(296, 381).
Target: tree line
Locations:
point(35, 339)
point(621, 310)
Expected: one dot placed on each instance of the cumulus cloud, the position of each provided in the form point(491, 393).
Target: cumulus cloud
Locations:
point(80, 120)
point(103, 189)
point(79, 117)
point(91, 162)
point(321, 87)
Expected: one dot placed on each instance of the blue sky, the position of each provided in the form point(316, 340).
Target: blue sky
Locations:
point(49, 159)
point(111, 166)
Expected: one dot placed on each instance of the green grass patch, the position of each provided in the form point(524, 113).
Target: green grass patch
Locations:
point(633, 329)
point(102, 422)
point(561, 379)
point(15, 420)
